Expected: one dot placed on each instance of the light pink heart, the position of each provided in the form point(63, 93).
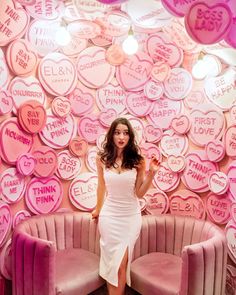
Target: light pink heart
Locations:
point(196, 173)
point(176, 163)
point(187, 203)
point(82, 192)
point(58, 131)
point(230, 141)
point(91, 61)
point(179, 84)
point(61, 106)
point(26, 164)
point(14, 27)
point(162, 51)
point(165, 179)
point(153, 133)
point(135, 71)
point(181, 124)
point(81, 102)
point(138, 104)
point(58, 76)
point(90, 128)
point(215, 150)
point(44, 195)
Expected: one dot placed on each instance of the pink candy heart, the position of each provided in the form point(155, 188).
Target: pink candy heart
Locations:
point(44, 195)
point(6, 222)
point(208, 24)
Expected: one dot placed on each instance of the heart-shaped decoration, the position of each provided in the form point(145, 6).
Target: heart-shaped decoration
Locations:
point(173, 144)
point(58, 131)
point(14, 21)
point(25, 89)
point(26, 164)
point(82, 192)
point(179, 84)
point(78, 147)
point(230, 232)
point(111, 96)
point(6, 222)
point(218, 182)
point(232, 112)
point(233, 211)
point(215, 150)
point(46, 161)
point(68, 166)
point(218, 208)
point(6, 260)
point(164, 110)
point(153, 133)
point(32, 116)
point(81, 102)
point(50, 10)
point(148, 150)
point(135, 71)
point(20, 216)
point(200, 25)
point(84, 29)
point(90, 128)
point(157, 202)
point(138, 104)
point(230, 141)
point(44, 195)
point(194, 99)
point(91, 61)
point(197, 171)
point(176, 163)
point(181, 124)
point(163, 51)
point(153, 90)
point(21, 57)
point(107, 116)
point(207, 124)
point(230, 39)
point(12, 185)
point(57, 74)
point(165, 179)
point(215, 89)
point(6, 102)
point(14, 141)
point(160, 71)
point(61, 106)
point(187, 203)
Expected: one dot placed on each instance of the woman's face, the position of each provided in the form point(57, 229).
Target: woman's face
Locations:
point(121, 136)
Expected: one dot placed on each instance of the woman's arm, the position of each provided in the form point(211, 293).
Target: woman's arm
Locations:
point(144, 179)
point(101, 188)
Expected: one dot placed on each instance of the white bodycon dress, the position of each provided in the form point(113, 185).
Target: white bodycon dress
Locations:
point(119, 223)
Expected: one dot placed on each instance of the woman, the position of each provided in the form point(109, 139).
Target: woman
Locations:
point(121, 176)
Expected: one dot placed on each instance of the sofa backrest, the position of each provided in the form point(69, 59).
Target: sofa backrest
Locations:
point(169, 234)
point(65, 230)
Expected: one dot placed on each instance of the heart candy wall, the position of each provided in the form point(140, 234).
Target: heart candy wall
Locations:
point(56, 103)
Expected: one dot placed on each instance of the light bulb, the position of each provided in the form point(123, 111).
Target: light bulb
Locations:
point(199, 70)
point(62, 36)
point(130, 45)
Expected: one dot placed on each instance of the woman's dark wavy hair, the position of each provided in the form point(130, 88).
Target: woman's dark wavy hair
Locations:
point(131, 153)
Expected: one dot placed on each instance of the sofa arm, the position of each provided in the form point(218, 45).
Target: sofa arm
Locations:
point(202, 267)
point(33, 265)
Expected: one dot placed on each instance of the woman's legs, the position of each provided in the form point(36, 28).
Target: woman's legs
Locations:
point(112, 290)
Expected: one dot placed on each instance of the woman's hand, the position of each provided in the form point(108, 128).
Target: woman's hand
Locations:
point(153, 165)
point(95, 213)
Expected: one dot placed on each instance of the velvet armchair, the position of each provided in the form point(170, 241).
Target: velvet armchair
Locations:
point(56, 254)
point(179, 255)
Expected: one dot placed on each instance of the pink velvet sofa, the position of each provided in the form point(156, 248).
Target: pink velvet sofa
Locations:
point(56, 254)
point(179, 255)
